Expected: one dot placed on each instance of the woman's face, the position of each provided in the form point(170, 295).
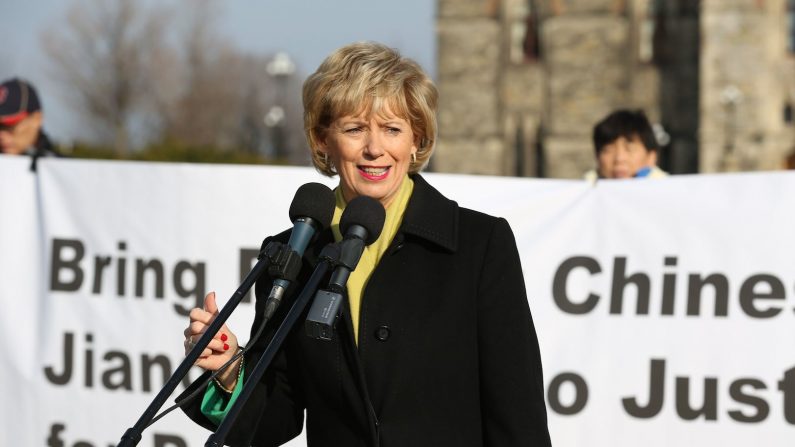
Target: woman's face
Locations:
point(371, 154)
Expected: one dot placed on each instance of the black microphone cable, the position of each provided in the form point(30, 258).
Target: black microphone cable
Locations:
point(203, 387)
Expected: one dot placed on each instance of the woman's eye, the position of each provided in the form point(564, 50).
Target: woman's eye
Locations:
point(393, 130)
point(353, 130)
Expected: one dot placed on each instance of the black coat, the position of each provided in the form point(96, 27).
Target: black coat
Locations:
point(447, 352)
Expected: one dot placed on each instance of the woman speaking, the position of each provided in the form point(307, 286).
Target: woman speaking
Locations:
point(436, 345)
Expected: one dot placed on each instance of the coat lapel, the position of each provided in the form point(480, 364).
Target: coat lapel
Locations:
point(431, 216)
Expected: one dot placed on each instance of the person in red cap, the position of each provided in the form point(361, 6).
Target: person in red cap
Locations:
point(21, 121)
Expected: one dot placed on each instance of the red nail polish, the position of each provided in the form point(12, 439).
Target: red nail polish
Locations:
point(226, 347)
point(224, 337)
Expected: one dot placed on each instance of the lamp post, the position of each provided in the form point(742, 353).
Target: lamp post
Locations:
point(280, 68)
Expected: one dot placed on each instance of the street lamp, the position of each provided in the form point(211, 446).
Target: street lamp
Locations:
point(280, 68)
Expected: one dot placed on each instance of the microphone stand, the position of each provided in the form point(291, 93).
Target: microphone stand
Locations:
point(275, 257)
point(329, 257)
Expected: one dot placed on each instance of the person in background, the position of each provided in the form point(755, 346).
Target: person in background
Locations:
point(625, 147)
point(21, 121)
point(436, 346)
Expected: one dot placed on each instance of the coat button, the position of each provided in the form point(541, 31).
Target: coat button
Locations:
point(397, 243)
point(382, 333)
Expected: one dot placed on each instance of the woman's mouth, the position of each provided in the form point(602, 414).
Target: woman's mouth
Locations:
point(374, 173)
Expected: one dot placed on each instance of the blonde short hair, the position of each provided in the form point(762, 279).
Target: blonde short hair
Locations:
point(362, 78)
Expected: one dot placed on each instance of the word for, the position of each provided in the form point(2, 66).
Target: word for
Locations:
point(760, 296)
point(57, 430)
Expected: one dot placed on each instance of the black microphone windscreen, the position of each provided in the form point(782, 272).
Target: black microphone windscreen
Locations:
point(367, 212)
point(313, 200)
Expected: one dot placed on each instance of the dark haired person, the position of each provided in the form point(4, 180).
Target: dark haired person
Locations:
point(21, 121)
point(625, 147)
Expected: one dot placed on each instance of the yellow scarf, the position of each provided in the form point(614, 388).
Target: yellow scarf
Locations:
point(373, 252)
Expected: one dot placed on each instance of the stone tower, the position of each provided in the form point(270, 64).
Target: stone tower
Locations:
point(522, 82)
point(747, 84)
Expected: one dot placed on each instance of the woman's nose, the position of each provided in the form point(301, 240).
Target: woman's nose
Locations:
point(374, 145)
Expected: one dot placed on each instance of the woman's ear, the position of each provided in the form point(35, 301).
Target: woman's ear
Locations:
point(320, 141)
point(419, 143)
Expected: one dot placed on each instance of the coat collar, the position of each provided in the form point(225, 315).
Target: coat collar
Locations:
point(431, 216)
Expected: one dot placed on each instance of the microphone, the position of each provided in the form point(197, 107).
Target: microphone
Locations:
point(361, 223)
point(311, 211)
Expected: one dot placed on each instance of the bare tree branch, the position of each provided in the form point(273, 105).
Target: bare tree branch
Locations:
point(105, 57)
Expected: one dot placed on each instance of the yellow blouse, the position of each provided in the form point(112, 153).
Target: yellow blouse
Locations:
point(373, 252)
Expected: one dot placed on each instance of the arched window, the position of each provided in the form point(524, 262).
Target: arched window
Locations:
point(650, 29)
point(524, 39)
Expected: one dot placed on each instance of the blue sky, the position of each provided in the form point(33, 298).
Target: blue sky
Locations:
point(306, 29)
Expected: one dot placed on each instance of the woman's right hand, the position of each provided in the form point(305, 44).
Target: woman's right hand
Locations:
point(220, 349)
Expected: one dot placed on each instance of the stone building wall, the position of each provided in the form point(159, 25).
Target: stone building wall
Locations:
point(584, 57)
point(505, 110)
point(470, 117)
point(742, 90)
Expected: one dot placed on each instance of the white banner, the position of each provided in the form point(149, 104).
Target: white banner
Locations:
point(664, 308)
